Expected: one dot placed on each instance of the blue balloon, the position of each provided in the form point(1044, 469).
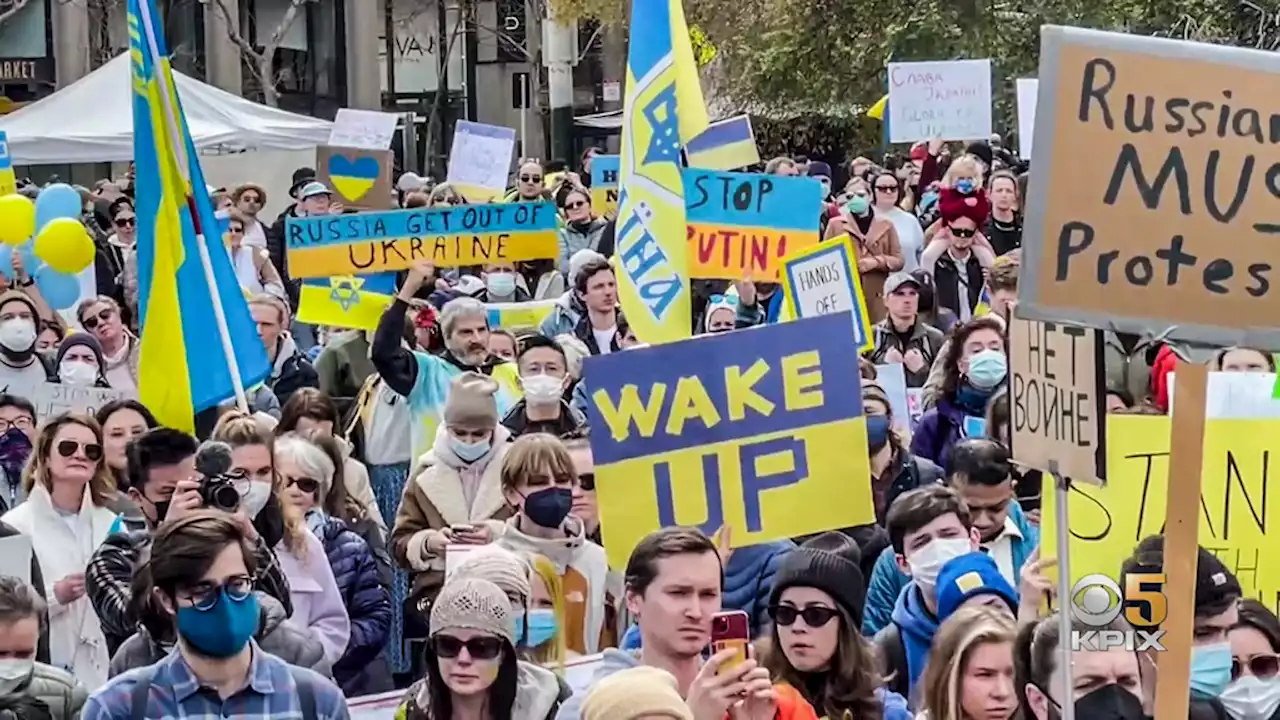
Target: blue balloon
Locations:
point(30, 263)
point(6, 263)
point(57, 201)
point(60, 290)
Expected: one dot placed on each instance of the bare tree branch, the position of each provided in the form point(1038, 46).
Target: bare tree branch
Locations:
point(502, 35)
point(262, 62)
point(11, 8)
point(586, 48)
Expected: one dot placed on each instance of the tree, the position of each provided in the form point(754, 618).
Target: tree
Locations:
point(261, 59)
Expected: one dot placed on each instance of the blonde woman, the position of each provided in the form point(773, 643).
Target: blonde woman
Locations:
point(65, 515)
point(970, 672)
point(543, 634)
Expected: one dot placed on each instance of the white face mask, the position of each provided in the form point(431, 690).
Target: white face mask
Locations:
point(18, 334)
point(14, 672)
point(255, 498)
point(1251, 698)
point(542, 389)
point(74, 372)
point(927, 562)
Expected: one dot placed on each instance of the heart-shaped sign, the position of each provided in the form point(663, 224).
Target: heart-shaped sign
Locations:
point(353, 177)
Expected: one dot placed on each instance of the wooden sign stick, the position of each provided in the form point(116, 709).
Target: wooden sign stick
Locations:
point(1181, 540)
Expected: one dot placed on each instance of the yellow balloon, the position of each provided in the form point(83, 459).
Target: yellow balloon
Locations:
point(65, 245)
point(17, 219)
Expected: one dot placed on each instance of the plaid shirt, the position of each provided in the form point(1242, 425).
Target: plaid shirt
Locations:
point(176, 694)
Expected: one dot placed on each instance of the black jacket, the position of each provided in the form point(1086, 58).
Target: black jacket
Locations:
point(945, 275)
point(517, 421)
point(295, 373)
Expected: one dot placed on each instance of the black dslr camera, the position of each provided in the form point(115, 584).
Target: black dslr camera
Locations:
point(217, 482)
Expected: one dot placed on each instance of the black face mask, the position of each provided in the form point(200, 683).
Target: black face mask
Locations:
point(1109, 702)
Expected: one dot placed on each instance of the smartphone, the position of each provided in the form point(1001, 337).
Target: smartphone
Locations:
point(730, 629)
point(462, 528)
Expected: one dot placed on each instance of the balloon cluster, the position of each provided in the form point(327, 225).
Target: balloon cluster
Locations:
point(53, 244)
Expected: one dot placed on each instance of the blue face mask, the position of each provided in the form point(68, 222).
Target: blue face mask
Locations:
point(1210, 669)
point(858, 204)
point(928, 199)
point(468, 452)
point(987, 369)
point(502, 284)
point(877, 432)
point(224, 629)
point(965, 186)
point(542, 627)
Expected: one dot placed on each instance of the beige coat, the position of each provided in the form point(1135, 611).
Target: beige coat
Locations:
point(880, 245)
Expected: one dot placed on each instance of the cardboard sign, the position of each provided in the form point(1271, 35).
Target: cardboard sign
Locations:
point(1237, 513)
point(948, 99)
point(824, 280)
point(725, 145)
point(740, 429)
point(1027, 89)
point(741, 225)
point(1057, 399)
point(480, 159)
point(8, 180)
point(55, 398)
point(365, 243)
point(1155, 221)
point(358, 178)
point(604, 184)
point(363, 129)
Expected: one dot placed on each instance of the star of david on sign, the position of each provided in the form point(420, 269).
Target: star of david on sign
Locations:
point(345, 291)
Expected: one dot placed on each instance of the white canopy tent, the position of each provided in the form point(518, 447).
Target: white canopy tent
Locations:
point(91, 120)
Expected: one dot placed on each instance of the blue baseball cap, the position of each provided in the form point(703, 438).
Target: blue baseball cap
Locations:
point(970, 575)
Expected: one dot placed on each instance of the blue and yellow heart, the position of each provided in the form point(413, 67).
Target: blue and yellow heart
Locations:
point(353, 177)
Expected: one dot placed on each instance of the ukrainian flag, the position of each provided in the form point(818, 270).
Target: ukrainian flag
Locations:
point(184, 364)
point(663, 110)
point(346, 301)
point(725, 145)
point(984, 303)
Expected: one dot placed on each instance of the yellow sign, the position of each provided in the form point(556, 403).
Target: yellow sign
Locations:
point(1235, 501)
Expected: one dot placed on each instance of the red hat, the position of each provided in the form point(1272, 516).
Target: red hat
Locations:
point(919, 151)
point(952, 206)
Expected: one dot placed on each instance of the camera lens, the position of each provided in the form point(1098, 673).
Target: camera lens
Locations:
point(226, 498)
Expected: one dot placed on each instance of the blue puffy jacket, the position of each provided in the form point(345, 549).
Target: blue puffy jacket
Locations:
point(887, 580)
point(368, 603)
point(748, 580)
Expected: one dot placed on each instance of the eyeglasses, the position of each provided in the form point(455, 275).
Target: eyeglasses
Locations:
point(305, 484)
point(237, 587)
point(815, 616)
point(93, 451)
point(125, 222)
point(963, 232)
point(587, 481)
point(22, 423)
point(91, 323)
point(479, 648)
point(1260, 666)
point(886, 188)
point(531, 178)
point(237, 229)
point(575, 205)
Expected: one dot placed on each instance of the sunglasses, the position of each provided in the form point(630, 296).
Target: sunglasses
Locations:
point(575, 205)
point(887, 188)
point(531, 178)
point(815, 616)
point(587, 481)
point(722, 299)
point(479, 648)
point(1260, 666)
point(305, 484)
point(67, 448)
point(125, 222)
point(91, 323)
point(963, 232)
point(251, 199)
point(237, 229)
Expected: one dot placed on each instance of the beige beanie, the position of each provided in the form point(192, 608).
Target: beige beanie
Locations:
point(473, 604)
point(471, 402)
point(501, 567)
point(638, 692)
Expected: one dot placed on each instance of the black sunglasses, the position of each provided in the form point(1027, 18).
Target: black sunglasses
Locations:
point(125, 222)
point(815, 616)
point(1260, 666)
point(587, 481)
point(91, 323)
point(887, 188)
point(575, 205)
point(963, 232)
point(67, 448)
point(236, 228)
point(479, 648)
point(251, 199)
point(305, 484)
point(531, 178)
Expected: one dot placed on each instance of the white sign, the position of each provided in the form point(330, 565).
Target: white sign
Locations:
point(1028, 91)
point(950, 100)
point(1237, 396)
point(55, 398)
point(612, 91)
point(480, 158)
point(15, 557)
point(363, 129)
point(892, 378)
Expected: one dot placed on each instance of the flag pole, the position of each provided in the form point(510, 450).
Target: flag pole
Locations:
point(180, 155)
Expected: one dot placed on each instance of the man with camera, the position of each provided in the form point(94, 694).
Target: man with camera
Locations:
point(169, 479)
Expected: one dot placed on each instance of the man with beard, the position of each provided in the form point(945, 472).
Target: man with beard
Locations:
point(425, 378)
point(21, 368)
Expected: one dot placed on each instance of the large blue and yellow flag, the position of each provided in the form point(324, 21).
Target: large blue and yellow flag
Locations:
point(183, 366)
point(346, 301)
point(663, 110)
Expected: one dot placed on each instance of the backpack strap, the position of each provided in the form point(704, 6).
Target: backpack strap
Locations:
point(894, 652)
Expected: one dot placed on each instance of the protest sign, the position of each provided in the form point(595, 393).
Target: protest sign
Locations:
point(528, 314)
point(1235, 507)
point(346, 301)
point(1057, 399)
point(363, 129)
point(892, 377)
point(604, 184)
point(480, 159)
point(358, 178)
point(1236, 396)
point(947, 99)
point(1027, 88)
point(741, 225)
point(725, 145)
point(824, 280)
point(371, 242)
point(1153, 203)
point(8, 180)
point(55, 398)
point(753, 429)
